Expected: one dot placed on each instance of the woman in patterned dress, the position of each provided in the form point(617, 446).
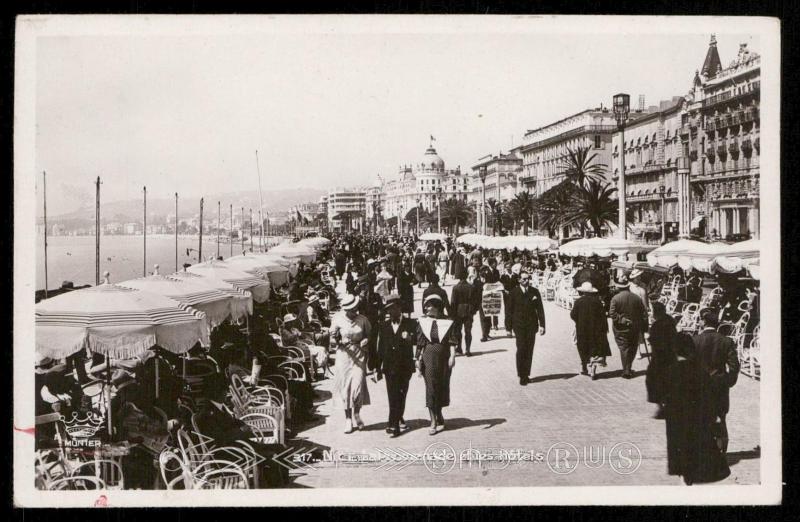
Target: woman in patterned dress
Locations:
point(436, 357)
point(350, 335)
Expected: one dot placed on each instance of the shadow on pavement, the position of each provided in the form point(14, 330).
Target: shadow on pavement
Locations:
point(461, 422)
point(735, 457)
point(551, 377)
point(618, 373)
point(487, 352)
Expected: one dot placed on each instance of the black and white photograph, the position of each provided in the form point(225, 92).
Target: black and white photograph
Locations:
point(396, 260)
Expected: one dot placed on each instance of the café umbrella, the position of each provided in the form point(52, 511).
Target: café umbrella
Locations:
point(117, 322)
point(667, 255)
point(214, 303)
point(276, 274)
point(601, 247)
point(738, 256)
point(432, 236)
point(257, 286)
point(241, 301)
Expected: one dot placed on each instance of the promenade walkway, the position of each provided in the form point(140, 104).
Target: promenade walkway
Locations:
point(562, 429)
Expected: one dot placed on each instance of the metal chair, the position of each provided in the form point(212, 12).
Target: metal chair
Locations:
point(107, 470)
point(77, 483)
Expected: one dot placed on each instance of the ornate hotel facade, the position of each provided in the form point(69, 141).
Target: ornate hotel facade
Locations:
point(422, 183)
point(720, 134)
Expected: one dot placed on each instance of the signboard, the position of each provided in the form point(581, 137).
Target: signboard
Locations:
point(492, 298)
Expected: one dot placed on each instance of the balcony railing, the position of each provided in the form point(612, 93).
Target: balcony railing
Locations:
point(586, 129)
point(755, 87)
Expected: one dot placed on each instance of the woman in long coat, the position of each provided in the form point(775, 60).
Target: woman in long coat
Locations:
point(405, 287)
point(662, 338)
point(693, 450)
point(350, 334)
point(591, 329)
point(436, 357)
point(420, 267)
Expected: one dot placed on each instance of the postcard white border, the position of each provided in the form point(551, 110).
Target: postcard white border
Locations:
point(29, 28)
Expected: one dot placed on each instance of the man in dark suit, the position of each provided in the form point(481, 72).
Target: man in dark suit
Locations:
point(629, 320)
point(458, 265)
point(527, 314)
point(510, 281)
point(717, 356)
point(462, 303)
point(396, 360)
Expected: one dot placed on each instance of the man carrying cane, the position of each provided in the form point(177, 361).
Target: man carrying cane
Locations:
point(638, 288)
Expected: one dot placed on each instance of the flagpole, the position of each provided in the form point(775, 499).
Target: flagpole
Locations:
point(97, 233)
point(200, 247)
point(251, 230)
point(260, 201)
point(44, 192)
point(176, 231)
point(144, 231)
point(218, 218)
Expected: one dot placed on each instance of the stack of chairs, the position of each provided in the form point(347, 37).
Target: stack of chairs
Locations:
point(195, 463)
point(54, 471)
point(565, 294)
point(551, 284)
point(261, 407)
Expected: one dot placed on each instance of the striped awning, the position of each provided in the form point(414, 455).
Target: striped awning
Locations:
point(214, 303)
point(241, 300)
point(257, 286)
point(116, 321)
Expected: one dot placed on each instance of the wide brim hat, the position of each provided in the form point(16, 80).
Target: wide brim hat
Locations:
point(587, 288)
point(288, 318)
point(431, 298)
point(349, 302)
point(392, 300)
point(635, 273)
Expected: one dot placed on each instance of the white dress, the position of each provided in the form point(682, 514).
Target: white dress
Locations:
point(350, 384)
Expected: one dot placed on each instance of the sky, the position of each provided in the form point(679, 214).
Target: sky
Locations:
point(187, 112)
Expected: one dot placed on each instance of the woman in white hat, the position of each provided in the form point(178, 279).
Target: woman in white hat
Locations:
point(350, 336)
point(591, 329)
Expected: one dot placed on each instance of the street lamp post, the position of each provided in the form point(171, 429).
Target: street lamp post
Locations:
point(439, 209)
point(400, 221)
point(622, 107)
point(418, 202)
point(482, 175)
point(661, 191)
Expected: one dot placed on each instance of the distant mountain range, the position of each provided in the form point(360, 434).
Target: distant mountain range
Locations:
point(131, 210)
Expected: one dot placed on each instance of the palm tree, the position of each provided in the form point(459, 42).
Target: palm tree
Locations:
point(455, 214)
point(579, 166)
point(494, 207)
point(522, 208)
point(594, 205)
point(554, 205)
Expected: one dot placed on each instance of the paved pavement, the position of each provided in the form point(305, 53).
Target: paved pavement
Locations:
point(563, 429)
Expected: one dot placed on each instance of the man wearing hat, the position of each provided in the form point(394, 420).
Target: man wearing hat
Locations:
point(395, 360)
point(637, 287)
point(463, 298)
point(629, 321)
point(591, 329)
point(716, 354)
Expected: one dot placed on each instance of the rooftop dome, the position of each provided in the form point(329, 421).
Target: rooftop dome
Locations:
point(432, 160)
